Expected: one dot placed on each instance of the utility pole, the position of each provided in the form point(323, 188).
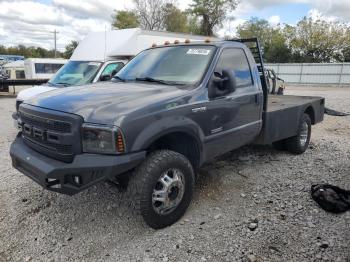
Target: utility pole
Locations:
point(55, 32)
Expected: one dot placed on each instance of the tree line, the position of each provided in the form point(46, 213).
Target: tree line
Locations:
point(309, 41)
point(38, 52)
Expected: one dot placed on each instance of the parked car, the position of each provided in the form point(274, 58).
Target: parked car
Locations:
point(167, 112)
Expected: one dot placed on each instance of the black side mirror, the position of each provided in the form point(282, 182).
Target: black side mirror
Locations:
point(105, 77)
point(222, 84)
point(114, 72)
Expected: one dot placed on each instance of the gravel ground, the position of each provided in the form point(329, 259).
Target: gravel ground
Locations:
point(249, 205)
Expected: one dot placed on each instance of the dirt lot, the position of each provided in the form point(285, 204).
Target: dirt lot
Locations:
point(255, 187)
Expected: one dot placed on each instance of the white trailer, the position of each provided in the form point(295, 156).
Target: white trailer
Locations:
point(15, 69)
point(101, 55)
point(42, 68)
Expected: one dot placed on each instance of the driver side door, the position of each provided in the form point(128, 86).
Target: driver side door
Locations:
point(234, 118)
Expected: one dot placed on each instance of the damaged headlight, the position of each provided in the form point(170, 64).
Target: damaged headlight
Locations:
point(102, 139)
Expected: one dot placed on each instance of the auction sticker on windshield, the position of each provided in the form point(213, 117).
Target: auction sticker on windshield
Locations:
point(198, 52)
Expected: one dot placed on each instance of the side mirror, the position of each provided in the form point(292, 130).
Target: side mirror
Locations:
point(105, 77)
point(222, 84)
point(114, 72)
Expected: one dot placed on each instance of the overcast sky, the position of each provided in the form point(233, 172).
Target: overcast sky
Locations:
point(32, 22)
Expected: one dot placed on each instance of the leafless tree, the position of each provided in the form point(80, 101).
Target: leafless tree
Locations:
point(151, 13)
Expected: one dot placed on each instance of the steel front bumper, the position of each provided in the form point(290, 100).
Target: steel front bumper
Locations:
point(15, 116)
point(70, 178)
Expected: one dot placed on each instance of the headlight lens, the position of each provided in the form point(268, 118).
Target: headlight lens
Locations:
point(102, 139)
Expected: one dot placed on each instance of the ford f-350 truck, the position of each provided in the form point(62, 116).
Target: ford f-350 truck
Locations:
point(168, 111)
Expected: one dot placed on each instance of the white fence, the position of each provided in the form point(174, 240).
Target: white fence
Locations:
point(335, 74)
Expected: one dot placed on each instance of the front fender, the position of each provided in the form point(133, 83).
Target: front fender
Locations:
point(166, 126)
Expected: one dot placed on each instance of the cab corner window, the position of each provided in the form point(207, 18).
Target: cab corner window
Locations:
point(236, 60)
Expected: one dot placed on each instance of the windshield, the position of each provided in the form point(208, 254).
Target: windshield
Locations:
point(75, 73)
point(184, 65)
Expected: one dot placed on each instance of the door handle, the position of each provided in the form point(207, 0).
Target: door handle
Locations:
point(256, 98)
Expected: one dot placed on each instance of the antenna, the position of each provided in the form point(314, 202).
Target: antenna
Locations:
point(104, 56)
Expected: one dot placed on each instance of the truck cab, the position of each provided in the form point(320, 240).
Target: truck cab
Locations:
point(171, 109)
point(101, 55)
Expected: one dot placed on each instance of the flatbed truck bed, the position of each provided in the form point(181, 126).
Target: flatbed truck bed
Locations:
point(283, 114)
point(278, 102)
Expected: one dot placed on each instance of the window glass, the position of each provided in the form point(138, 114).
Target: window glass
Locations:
point(178, 64)
point(20, 74)
point(42, 68)
point(76, 73)
point(236, 60)
point(112, 67)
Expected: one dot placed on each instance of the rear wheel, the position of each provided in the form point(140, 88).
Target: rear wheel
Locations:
point(161, 188)
point(299, 143)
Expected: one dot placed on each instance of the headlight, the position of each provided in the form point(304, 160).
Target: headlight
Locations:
point(102, 139)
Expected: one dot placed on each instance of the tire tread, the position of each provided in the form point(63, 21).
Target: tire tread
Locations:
point(139, 180)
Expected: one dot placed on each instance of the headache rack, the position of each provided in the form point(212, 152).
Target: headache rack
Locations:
point(254, 46)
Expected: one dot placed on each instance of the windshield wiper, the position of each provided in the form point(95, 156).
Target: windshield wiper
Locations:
point(150, 79)
point(119, 78)
point(60, 84)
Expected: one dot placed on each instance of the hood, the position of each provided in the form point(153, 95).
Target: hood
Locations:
point(105, 102)
point(34, 91)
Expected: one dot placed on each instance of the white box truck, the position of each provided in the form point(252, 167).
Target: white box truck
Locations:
point(101, 55)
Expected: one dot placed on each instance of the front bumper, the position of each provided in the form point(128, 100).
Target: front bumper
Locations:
point(15, 116)
point(15, 121)
point(70, 178)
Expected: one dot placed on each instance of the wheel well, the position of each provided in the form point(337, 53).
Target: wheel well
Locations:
point(311, 113)
point(179, 142)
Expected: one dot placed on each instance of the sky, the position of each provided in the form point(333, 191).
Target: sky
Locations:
point(32, 22)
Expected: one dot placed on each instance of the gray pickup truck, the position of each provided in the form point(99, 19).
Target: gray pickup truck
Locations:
point(168, 111)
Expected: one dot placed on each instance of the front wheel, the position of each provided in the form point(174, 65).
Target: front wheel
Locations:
point(161, 188)
point(299, 143)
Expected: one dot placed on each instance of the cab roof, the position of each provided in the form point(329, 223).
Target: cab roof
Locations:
point(220, 43)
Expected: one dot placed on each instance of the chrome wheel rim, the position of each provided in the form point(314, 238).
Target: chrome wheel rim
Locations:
point(304, 133)
point(168, 191)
